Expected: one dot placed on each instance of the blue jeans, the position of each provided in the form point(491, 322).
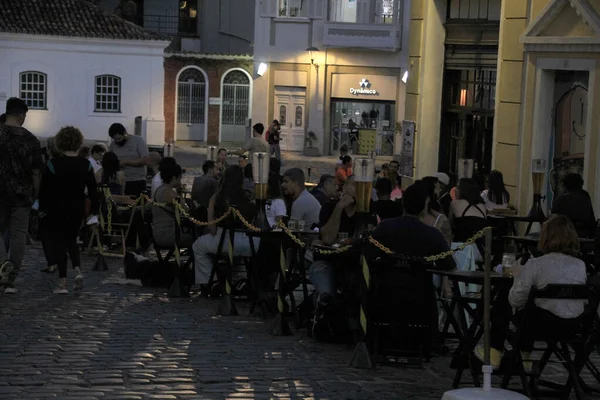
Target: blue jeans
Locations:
point(322, 277)
point(275, 149)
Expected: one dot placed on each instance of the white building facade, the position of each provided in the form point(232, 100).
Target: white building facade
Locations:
point(89, 77)
point(334, 68)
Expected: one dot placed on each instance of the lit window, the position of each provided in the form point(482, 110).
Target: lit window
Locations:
point(33, 89)
point(108, 94)
point(365, 12)
point(292, 8)
point(299, 112)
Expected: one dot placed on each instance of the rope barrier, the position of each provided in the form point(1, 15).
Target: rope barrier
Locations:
point(182, 213)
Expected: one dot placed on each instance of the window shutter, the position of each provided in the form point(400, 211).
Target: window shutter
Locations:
point(268, 8)
point(317, 8)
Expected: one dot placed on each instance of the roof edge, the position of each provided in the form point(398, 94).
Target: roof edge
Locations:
point(204, 56)
point(32, 37)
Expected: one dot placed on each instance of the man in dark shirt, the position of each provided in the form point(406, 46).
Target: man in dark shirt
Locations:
point(20, 168)
point(576, 204)
point(327, 189)
point(205, 186)
point(384, 207)
point(408, 235)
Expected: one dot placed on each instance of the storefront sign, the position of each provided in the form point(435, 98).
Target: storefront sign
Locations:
point(364, 89)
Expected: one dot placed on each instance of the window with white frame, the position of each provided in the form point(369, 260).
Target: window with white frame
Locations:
point(365, 11)
point(33, 89)
point(292, 8)
point(108, 94)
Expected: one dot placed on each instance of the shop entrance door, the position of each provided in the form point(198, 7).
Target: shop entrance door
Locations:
point(289, 111)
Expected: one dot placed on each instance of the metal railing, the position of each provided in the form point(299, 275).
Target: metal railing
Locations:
point(473, 10)
point(171, 24)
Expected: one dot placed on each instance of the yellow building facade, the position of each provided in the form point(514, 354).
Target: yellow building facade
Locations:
point(546, 97)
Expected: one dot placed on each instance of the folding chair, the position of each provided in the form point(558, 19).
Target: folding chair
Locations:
point(575, 334)
point(401, 309)
point(118, 229)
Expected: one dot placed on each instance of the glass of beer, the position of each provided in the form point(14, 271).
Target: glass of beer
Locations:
point(538, 171)
point(364, 172)
point(260, 174)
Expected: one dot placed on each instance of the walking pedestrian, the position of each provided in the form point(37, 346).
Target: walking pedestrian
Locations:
point(20, 168)
point(62, 200)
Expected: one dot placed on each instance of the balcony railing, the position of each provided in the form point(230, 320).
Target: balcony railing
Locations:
point(171, 25)
point(375, 24)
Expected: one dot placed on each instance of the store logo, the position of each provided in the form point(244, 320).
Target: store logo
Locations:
point(364, 88)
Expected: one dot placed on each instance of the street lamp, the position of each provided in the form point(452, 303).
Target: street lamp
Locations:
point(312, 50)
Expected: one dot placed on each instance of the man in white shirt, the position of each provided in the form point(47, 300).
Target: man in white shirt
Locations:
point(305, 206)
point(95, 158)
point(257, 144)
point(154, 161)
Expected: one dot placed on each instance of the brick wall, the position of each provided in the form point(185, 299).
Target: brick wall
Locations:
point(215, 70)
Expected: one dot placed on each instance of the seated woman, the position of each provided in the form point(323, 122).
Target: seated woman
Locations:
point(164, 224)
point(231, 193)
point(560, 244)
point(576, 204)
point(495, 196)
point(275, 209)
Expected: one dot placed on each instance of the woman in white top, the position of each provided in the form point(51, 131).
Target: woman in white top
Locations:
point(560, 244)
point(496, 196)
point(275, 206)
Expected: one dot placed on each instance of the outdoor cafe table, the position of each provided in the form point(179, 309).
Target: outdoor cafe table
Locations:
point(521, 218)
point(474, 307)
point(294, 264)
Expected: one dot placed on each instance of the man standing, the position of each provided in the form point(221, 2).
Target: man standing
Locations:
point(21, 163)
point(256, 144)
point(274, 140)
point(222, 158)
point(133, 154)
point(304, 206)
point(205, 186)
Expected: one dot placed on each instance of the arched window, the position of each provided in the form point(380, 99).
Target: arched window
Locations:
point(33, 89)
point(236, 98)
point(108, 94)
point(191, 97)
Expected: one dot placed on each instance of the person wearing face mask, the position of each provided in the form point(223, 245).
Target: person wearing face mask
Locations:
point(132, 151)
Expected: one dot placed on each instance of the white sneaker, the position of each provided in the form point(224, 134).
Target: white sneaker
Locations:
point(6, 269)
point(60, 290)
point(10, 290)
point(78, 279)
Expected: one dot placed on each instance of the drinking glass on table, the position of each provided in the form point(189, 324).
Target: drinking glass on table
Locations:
point(508, 262)
point(301, 225)
point(292, 224)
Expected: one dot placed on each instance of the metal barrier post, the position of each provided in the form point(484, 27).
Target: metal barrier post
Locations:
point(361, 357)
point(280, 326)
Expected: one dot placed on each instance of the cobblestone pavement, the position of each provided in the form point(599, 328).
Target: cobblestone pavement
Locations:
point(118, 340)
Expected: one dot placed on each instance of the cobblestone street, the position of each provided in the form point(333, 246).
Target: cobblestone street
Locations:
point(118, 340)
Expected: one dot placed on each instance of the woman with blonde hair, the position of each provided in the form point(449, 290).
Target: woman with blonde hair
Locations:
point(62, 200)
point(559, 265)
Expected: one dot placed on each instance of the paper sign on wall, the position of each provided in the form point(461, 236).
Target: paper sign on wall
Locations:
point(407, 152)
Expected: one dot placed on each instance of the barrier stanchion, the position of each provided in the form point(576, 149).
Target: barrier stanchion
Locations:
point(227, 307)
point(280, 326)
point(100, 263)
point(177, 288)
point(361, 357)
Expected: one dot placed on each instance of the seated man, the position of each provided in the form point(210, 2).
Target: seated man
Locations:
point(385, 207)
point(205, 186)
point(404, 235)
point(408, 235)
point(304, 206)
point(327, 189)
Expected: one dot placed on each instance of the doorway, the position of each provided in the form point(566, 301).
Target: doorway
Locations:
point(290, 103)
point(191, 105)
